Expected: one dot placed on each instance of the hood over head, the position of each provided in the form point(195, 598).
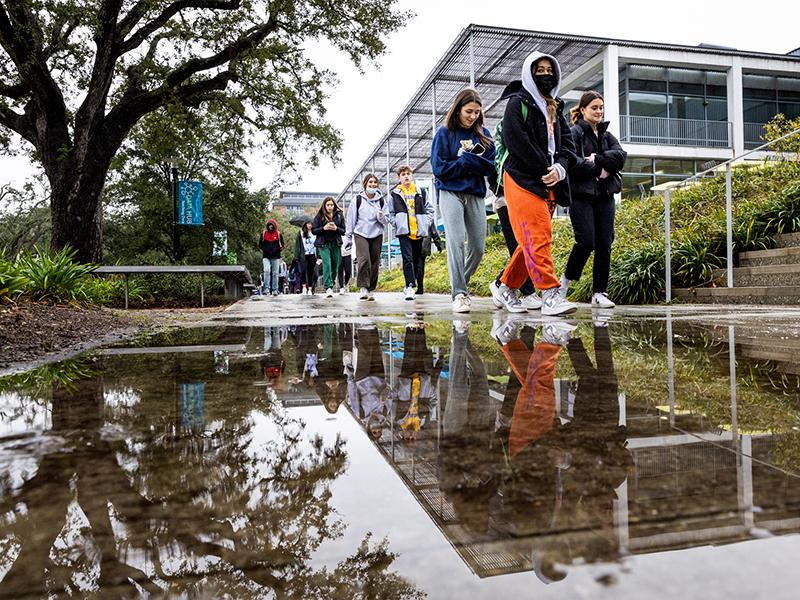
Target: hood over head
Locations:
point(530, 85)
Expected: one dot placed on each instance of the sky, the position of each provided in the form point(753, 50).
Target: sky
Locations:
point(363, 106)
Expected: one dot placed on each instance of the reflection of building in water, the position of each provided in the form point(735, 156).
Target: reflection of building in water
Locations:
point(670, 483)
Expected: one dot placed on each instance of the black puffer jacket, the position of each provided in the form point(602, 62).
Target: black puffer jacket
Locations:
point(526, 140)
point(609, 155)
point(323, 235)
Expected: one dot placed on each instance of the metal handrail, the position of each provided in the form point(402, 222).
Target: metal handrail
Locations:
point(728, 211)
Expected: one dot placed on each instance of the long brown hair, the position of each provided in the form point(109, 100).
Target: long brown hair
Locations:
point(322, 212)
point(453, 121)
point(366, 179)
point(586, 99)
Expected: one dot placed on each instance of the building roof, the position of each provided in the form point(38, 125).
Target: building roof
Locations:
point(497, 54)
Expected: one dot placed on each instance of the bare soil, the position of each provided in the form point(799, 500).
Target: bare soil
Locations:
point(32, 333)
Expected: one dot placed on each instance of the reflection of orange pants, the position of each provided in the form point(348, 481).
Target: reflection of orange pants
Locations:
point(535, 409)
point(531, 220)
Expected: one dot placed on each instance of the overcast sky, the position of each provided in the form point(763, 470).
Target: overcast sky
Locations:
point(363, 106)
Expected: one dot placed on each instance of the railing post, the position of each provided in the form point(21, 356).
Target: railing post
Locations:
point(729, 223)
point(667, 247)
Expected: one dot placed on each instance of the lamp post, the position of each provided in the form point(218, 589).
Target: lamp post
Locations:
point(173, 175)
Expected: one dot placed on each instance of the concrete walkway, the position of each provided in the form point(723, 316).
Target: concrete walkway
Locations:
point(263, 310)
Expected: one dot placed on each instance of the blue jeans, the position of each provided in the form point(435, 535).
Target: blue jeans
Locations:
point(270, 280)
point(464, 217)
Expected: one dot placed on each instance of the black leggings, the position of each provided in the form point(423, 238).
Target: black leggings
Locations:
point(345, 270)
point(311, 265)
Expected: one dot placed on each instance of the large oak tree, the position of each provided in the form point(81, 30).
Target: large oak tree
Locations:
point(77, 75)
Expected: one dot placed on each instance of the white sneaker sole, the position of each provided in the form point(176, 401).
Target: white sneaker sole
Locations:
point(561, 309)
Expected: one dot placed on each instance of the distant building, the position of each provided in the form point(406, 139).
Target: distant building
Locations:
point(295, 203)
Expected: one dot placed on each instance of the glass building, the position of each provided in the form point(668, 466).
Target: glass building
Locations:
point(676, 109)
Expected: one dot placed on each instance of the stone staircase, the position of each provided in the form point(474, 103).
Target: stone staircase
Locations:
point(764, 277)
point(756, 343)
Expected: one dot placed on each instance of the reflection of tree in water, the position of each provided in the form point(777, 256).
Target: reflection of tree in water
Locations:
point(126, 499)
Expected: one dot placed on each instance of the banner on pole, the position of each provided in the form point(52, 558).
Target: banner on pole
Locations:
point(190, 202)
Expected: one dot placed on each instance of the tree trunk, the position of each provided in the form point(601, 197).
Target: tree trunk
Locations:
point(76, 210)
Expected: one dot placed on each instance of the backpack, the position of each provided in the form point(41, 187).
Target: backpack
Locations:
point(358, 207)
point(501, 152)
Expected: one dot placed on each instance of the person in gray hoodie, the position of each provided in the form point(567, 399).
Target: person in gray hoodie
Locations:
point(365, 224)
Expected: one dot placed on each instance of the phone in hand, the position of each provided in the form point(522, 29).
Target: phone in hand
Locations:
point(478, 149)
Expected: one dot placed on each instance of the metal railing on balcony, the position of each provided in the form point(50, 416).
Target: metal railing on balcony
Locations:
point(675, 132)
point(754, 135)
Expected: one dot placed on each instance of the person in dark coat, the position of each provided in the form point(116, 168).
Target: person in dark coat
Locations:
point(594, 180)
point(329, 227)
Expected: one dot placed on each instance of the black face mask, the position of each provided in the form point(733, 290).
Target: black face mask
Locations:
point(545, 82)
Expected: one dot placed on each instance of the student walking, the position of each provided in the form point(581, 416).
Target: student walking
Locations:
point(345, 268)
point(462, 156)
point(271, 244)
point(540, 152)
point(365, 224)
point(328, 226)
point(594, 180)
point(410, 214)
point(305, 253)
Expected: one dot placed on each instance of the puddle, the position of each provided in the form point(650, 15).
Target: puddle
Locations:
point(406, 459)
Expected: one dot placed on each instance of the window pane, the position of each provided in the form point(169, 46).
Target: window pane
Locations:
point(717, 110)
point(633, 186)
point(646, 85)
point(639, 165)
point(756, 111)
point(686, 107)
point(694, 89)
point(791, 110)
point(674, 166)
point(648, 105)
point(720, 91)
point(759, 93)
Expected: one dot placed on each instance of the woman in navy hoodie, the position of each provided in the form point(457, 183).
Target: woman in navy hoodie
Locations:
point(462, 156)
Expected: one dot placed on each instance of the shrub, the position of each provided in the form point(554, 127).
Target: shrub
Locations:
point(53, 275)
point(12, 284)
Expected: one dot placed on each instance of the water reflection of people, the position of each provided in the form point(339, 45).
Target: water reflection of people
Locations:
point(563, 472)
point(330, 383)
point(468, 459)
point(272, 363)
point(416, 385)
point(367, 390)
point(307, 347)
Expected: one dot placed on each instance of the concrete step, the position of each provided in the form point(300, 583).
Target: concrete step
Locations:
point(774, 295)
point(768, 275)
point(776, 256)
point(788, 240)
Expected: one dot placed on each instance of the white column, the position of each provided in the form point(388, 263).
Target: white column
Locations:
point(736, 104)
point(611, 87)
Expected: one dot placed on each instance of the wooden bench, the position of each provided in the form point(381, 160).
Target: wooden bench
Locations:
point(235, 276)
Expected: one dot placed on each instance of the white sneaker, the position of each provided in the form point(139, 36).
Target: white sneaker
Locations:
point(364, 294)
point(564, 288)
point(557, 332)
point(531, 301)
point(370, 296)
point(506, 297)
point(461, 304)
point(342, 291)
point(553, 303)
point(408, 293)
point(600, 300)
point(505, 331)
point(329, 293)
point(460, 326)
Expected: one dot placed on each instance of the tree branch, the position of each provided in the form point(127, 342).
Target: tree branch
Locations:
point(138, 11)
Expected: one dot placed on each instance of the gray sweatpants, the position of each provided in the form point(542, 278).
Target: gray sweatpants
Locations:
point(464, 217)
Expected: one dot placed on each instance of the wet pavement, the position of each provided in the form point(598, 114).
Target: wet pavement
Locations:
point(315, 448)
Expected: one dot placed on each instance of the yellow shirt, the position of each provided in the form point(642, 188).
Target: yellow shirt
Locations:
point(408, 194)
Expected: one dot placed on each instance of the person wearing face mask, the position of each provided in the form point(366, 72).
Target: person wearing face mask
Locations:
point(365, 224)
point(462, 157)
point(594, 181)
point(540, 153)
